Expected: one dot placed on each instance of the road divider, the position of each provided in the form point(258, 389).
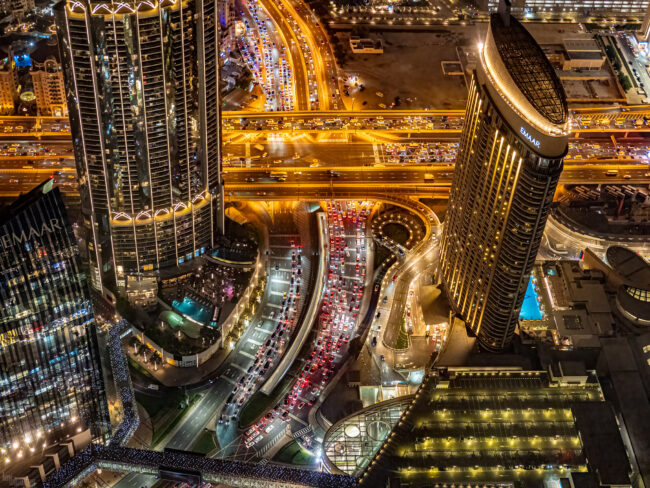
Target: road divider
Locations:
point(310, 317)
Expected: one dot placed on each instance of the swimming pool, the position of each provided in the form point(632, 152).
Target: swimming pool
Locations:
point(530, 308)
point(193, 310)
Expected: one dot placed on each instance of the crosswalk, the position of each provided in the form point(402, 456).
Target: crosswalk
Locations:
point(239, 367)
point(245, 354)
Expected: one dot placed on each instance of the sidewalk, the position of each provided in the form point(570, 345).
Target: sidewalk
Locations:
point(143, 435)
point(172, 376)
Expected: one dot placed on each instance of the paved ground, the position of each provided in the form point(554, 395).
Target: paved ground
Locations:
point(409, 68)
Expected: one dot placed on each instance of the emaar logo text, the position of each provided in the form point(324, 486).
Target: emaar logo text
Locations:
point(529, 137)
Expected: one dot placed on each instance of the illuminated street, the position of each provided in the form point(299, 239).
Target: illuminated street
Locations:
point(337, 322)
point(291, 243)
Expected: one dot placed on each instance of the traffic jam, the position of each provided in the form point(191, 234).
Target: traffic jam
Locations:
point(283, 317)
point(268, 63)
point(337, 321)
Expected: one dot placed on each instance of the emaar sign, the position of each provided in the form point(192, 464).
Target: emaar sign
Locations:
point(529, 137)
point(8, 240)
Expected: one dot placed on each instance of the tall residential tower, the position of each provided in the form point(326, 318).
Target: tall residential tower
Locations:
point(508, 165)
point(143, 95)
point(51, 383)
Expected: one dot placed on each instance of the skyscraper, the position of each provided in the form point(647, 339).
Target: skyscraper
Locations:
point(143, 95)
point(51, 383)
point(507, 168)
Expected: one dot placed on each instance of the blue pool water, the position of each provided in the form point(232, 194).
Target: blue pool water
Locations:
point(192, 309)
point(530, 307)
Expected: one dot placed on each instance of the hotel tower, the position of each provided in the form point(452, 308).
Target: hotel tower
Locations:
point(143, 95)
point(507, 168)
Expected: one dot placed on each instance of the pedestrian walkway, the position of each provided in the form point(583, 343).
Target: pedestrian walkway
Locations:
point(172, 376)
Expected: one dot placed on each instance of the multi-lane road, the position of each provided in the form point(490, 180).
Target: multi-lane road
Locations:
point(602, 120)
point(294, 48)
point(358, 172)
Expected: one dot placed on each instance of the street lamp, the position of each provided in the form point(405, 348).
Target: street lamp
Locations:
point(354, 99)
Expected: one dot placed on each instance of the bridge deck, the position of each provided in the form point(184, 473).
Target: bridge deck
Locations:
point(231, 473)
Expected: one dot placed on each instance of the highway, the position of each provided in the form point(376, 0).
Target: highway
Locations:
point(256, 181)
point(408, 123)
point(322, 55)
point(263, 49)
point(296, 54)
point(349, 150)
point(582, 119)
point(413, 175)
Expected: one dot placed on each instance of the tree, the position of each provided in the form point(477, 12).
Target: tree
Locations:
point(355, 346)
point(156, 357)
point(626, 84)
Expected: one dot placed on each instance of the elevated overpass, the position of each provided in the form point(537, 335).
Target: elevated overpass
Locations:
point(217, 471)
point(361, 182)
point(616, 120)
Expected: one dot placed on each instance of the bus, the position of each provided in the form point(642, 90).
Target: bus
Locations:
point(611, 172)
point(279, 175)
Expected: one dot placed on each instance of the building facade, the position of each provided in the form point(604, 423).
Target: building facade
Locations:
point(7, 89)
point(18, 8)
point(507, 168)
point(143, 95)
point(49, 88)
point(580, 11)
point(51, 383)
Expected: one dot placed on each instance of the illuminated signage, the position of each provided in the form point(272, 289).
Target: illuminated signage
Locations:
point(529, 137)
point(7, 240)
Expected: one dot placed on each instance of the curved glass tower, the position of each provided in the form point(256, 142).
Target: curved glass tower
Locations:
point(508, 165)
point(143, 94)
